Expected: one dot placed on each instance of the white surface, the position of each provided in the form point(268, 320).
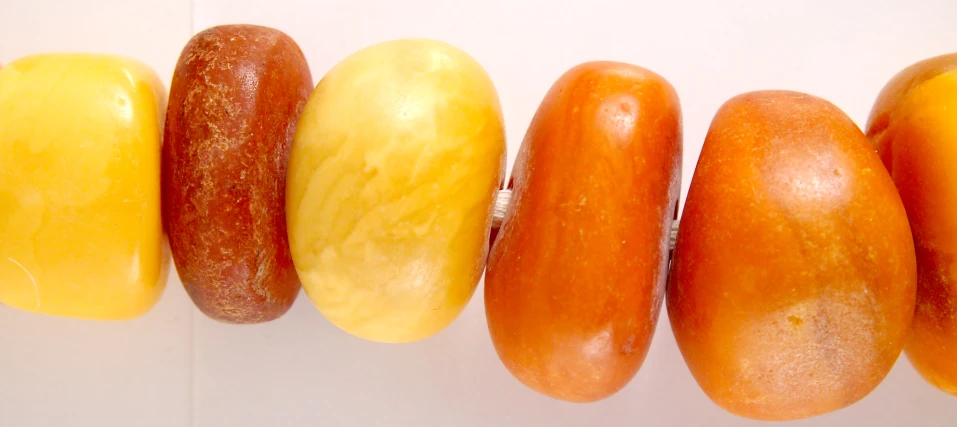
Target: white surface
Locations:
point(174, 367)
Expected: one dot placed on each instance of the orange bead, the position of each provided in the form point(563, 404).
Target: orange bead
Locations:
point(793, 279)
point(576, 276)
point(914, 126)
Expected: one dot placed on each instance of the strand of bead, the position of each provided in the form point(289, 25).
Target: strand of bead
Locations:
point(792, 226)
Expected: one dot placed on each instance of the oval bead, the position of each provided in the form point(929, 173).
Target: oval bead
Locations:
point(80, 229)
point(793, 279)
point(914, 126)
point(234, 101)
point(577, 273)
point(394, 168)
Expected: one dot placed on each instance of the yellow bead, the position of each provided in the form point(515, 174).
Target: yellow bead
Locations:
point(80, 231)
point(393, 170)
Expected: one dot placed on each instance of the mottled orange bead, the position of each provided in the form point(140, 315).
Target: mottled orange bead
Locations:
point(793, 279)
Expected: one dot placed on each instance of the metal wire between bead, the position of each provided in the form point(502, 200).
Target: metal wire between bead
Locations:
point(504, 199)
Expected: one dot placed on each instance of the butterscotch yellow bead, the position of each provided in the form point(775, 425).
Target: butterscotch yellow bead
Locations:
point(394, 167)
point(80, 231)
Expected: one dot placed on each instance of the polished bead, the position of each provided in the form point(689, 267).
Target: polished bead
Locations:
point(80, 232)
point(576, 275)
point(392, 177)
point(914, 126)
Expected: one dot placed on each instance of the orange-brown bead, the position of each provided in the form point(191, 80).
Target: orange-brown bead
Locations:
point(793, 279)
point(576, 275)
point(914, 126)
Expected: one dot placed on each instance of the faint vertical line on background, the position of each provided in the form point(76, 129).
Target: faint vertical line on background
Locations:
point(192, 17)
point(192, 366)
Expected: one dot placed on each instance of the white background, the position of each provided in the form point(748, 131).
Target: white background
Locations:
point(174, 367)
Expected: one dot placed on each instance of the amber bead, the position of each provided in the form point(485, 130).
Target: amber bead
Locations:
point(793, 280)
point(576, 275)
point(914, 126)
point(236, 95)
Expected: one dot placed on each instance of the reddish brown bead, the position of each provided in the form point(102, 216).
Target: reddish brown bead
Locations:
point(235, 98)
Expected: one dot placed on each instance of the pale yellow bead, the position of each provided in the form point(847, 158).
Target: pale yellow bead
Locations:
point(391, 182)
point(80, 231)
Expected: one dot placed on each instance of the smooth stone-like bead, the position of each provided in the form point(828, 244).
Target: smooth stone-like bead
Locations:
point(392, 177)
point(576, 275)
point(914, 126)
point(80, 231)
point(236, 95)
point(793, 279)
